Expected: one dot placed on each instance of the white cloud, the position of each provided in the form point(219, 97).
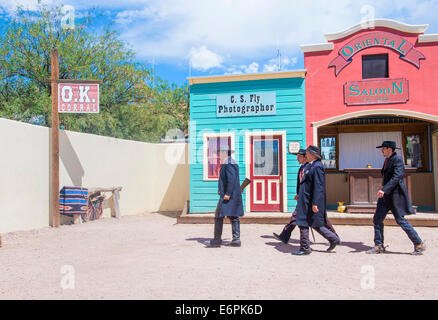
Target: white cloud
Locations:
point(11, 5)
point(285, 63)
point(251, 68)
point(239, 33)
point(129, 16)
point(203, 59)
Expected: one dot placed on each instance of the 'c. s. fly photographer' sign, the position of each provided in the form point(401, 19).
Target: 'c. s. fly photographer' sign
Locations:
point(247, 104)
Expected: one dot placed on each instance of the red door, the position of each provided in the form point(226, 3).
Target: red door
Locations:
point(266, 174)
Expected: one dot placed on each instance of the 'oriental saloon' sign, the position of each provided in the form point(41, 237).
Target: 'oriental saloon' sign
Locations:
point(78, 97)
point(376, 39)
point(247, 104)
point(376, 92)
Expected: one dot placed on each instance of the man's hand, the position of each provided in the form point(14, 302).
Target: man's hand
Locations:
point(380, 194)
point(315, 209)
point(296, 197)
point(226, 197)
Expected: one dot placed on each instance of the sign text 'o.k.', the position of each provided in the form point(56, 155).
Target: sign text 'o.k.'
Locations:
point(78, 98)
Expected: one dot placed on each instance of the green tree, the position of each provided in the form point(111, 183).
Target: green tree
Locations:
point(130, 107)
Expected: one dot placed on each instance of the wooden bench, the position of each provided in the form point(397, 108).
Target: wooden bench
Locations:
point(113, 200)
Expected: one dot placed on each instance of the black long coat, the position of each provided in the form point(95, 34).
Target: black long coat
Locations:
point(298, 176)
point(396, 197)
point(229, 185)
point(312, 192)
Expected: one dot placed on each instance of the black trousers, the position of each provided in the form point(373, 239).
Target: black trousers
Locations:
point(323, 231)
point(381, 211)
point(218, 227)
point(287, 230)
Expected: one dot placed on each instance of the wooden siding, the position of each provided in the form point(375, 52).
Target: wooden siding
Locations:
point(290, 117)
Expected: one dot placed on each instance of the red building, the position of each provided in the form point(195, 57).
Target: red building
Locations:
point(374, 81)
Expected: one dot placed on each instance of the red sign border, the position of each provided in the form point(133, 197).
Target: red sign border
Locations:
point(375, 80)
point(78, 83)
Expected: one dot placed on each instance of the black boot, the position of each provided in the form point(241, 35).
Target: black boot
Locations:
point(378, 248)
point(235, 230)
point(218, 226)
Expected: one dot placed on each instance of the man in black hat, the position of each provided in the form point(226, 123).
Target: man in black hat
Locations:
point(285, 234)
point(311, 208)
point(393, 196)
point(231, 205)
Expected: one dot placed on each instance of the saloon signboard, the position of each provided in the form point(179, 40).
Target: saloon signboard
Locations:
point(376, 91)
point(78, 97)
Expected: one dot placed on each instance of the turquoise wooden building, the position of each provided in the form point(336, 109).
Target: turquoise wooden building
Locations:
point(262, 118)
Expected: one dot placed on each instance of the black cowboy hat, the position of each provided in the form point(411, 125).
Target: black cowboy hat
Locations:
point(314, 150)
point(301, 151)
point(388, 144)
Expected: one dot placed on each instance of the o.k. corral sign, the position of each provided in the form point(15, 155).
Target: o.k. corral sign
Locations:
point(78, 97)
point(376, 91)
point(243, 105)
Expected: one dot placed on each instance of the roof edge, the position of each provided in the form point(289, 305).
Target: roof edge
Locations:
point(425, 38)
point(317, 47)
point(369, 24)
point(301, 73)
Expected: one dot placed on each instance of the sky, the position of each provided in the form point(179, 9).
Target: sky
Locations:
point(182, 38)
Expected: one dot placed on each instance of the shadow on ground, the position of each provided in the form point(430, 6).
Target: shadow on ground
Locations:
point(356, 246)
point(204, 241)
point(171, 214)
point(287, 248)
point(282, 247)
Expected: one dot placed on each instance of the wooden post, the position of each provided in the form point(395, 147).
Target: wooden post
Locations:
point(116, 203)
point(54, 212)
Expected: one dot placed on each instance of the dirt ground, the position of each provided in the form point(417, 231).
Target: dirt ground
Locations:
point(151, 257)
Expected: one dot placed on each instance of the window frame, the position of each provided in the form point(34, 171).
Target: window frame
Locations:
point(278, 159)
point(404, 128)
point(387, 65)
point(206, 138)
point(423, 137)
point(327, 135)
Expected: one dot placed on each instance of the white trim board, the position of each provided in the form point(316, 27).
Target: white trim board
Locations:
point(248, 136)
point(205, 150)
point(370, 24)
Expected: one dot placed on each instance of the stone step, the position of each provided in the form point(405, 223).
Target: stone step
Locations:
point(420, 219)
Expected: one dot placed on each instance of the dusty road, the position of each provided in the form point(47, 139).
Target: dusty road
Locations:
point(150, 257)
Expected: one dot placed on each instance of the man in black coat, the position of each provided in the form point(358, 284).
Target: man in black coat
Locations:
point(285, 234)
point(393, 196)
point(311, 208)
point(230, 194)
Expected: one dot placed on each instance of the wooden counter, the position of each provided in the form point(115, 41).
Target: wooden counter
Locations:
point(364, 185)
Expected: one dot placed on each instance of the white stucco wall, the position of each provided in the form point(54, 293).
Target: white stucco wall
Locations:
point(154, 177)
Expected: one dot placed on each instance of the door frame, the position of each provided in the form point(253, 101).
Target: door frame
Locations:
point(434, 139)
point(269, 133)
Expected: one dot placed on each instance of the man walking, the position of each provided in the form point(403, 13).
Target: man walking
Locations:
point(230, 194)
point(311, 208)
point(393, 196)
point(285, 234)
